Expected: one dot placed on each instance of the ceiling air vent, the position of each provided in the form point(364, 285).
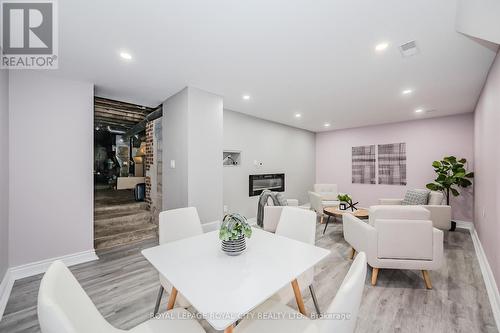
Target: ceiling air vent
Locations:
point(409, 49)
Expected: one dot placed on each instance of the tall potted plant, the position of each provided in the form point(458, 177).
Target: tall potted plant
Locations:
point(451, 175)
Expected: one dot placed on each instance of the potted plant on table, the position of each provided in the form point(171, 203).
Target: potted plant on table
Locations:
point(346, 202)
point(233, 231)
point(451, 175)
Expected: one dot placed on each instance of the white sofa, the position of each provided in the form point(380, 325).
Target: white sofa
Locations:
point(396, 237)
point(440, 213)
point(272, 213)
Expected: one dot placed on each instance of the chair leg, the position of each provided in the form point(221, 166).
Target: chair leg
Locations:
point(427, 279)
point(374, 276)
point(353, 253)
point(321, 219)
point(158, 301)
point(315, 300)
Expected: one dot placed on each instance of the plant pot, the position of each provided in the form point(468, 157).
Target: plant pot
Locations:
point(234, 247)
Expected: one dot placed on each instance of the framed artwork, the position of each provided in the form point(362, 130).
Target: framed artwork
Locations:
point(392, 164)
point(363, 165)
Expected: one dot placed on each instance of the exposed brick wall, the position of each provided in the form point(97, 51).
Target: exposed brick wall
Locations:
point(149, 159)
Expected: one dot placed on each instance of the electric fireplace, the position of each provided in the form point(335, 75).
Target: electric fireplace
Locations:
point(273, 181)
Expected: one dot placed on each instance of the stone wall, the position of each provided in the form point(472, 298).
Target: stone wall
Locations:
point(153, 167)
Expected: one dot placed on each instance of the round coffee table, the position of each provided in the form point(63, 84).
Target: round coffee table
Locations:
point(335, 212)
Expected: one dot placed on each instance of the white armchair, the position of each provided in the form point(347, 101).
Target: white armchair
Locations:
point(396, 237)
point(272, 214)
point(328, 192)
point(318, 204)
point(440, 213)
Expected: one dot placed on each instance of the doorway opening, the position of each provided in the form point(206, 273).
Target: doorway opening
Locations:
point(123, 156)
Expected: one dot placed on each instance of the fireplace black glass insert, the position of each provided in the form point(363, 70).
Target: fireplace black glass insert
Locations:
point(274, 182)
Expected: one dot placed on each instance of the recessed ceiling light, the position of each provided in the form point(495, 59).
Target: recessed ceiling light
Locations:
point(246, 97)
point(326, 124)
point(419, 110)
point(126, 55)
point(381, 46)
point(298, 115)
point(407, 91)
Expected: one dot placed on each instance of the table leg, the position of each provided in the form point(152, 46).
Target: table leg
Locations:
point(171, 299)
point(326, 225)
point(298, 297)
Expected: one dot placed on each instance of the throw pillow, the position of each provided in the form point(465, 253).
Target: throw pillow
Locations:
point(416, 197)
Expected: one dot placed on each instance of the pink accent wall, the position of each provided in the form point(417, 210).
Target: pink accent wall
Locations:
point(487, 149)
point(426, 140)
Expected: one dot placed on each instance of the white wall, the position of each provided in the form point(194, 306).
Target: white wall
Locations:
point(175, 147)
point(282, 149)
point(205, 154)
point(4, 172)
point(486, 155)
point(51, 153)
point(426, 140)
point(192, 136)
point(479, 18)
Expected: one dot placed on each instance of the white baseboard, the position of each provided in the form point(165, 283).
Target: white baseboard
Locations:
point(489, 278)
point(5, 289)
point(41, 266)
point(464, 224)
point(34, 268)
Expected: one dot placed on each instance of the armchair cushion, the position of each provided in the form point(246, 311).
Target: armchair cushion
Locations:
point(390, 201)
point(404, 239)
point(397, 212)
point(416, 197)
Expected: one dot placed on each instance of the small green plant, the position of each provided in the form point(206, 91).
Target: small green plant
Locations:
point(233, 227)
point(344, 198)
point(451, 174)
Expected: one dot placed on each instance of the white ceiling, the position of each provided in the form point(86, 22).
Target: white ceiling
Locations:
point(312, 57)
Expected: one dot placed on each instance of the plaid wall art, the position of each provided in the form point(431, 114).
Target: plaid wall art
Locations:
point(363, 165)
point(392, 164)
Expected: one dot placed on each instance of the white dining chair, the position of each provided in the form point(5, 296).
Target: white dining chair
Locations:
point(298, 224)
point(341, 317)
point(64, 307)
point(176, 224)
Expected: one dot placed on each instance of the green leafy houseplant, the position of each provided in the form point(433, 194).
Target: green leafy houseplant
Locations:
point(233, 227)
point(451, 175)
point(344, 198)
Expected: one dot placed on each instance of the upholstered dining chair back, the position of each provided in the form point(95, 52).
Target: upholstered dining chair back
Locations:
point(347, 300)
point(179, 223)
point(64, 307)
point(298, 224)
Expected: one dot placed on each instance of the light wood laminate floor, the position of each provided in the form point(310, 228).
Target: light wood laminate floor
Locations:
point(124, 286)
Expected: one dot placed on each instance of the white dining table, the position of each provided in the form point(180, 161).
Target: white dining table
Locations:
point(224, 288)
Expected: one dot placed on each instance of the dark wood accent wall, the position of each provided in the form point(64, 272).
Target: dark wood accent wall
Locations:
point(118, 115)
